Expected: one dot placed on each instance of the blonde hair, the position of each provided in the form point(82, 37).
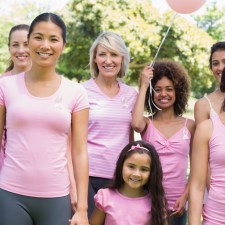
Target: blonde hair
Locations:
point(113, 42)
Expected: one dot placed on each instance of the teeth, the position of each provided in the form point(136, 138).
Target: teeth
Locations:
point(108, 67)
point(134, 180)
point(21, 57)
point(44, 54)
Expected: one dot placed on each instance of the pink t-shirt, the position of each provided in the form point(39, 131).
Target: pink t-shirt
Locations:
point(214, 208)
point(108, 128)
point(122, 210)
point(173, 153)
point(37, 128)
point(2, 150)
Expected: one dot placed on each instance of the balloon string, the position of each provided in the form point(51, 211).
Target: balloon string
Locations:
point(164, 38)
point(153, 63)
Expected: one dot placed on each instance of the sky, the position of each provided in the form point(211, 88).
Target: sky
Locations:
point(53, 5)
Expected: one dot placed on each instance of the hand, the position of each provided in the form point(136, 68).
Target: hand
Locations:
point(146, 76)
point(179, 207)
point(79, 218)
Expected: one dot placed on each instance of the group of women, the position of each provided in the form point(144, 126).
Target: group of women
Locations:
point(43, 115)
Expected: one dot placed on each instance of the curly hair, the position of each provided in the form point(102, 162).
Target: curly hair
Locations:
point(159, 211)
point(175, 72)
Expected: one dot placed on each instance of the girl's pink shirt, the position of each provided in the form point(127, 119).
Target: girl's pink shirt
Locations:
point(122, 210)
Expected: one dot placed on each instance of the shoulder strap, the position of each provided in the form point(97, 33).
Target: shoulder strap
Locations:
point(208, 101)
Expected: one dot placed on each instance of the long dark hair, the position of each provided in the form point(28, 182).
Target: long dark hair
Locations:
point(13, 29)
point(159, 211)
point(45, 17)
point(218, 46)
point(175, 72)
point(222, 88)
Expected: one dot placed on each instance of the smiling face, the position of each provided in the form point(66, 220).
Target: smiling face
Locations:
point(46, 44)
point(18, 49)
point(165, 95)
point(136, 172)
point(218, 63)
point(108, 63)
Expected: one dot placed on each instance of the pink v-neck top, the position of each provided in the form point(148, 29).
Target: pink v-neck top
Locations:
point(214, 208)
point(109, 127)
point(122, 210)
point(173, 153)
point(35, 161)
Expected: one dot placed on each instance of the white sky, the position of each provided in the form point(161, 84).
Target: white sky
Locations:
point(162, 5)
point(54, 5)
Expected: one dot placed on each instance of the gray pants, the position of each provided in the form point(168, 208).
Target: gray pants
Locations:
point(24, 210)
point(95, 183)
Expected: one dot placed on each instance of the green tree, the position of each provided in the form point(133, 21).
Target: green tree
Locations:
point(12, 13)
point(212, 21)
point(142, 28)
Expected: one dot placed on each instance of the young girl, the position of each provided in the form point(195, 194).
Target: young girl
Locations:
point(167, 130)
point(136, 196)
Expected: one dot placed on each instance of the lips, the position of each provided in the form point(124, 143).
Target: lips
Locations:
point(135, 180)
point(22, 57)
point(164, 100)
point(108, 67)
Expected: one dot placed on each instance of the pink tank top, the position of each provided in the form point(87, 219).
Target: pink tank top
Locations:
point(173, 153)
point(214, 209)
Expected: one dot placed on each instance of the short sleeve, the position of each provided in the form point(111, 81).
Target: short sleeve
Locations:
point(2, 99)
point(80, 98)
point(99, 200)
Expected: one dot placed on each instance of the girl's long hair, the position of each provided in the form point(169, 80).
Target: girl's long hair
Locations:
point(159, 211)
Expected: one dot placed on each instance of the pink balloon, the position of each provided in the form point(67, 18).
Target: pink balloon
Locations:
point(185, 6)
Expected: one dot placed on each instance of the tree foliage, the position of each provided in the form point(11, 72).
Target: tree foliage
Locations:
point(142, 27)
point(212, 21)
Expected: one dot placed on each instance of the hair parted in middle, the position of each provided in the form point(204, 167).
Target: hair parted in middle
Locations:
point(113, 42)
point(175, 72)
point(17, 27)
point(46, 17)
point(154, 184)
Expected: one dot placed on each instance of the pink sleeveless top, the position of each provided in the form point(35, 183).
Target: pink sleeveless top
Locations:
point(214, 209)
point(173, 153)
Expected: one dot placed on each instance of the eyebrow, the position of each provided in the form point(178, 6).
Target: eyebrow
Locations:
point(37, 33)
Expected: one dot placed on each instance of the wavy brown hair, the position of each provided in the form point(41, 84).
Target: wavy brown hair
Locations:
point(175, 72)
